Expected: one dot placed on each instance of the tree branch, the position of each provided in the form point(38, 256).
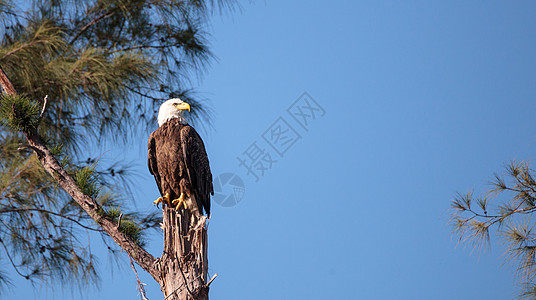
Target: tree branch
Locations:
point(141, 289)
point(6, 83)
point(90, 205)
point(11, 260)
point(45, 101)
point(93, 22)
point(48, 212)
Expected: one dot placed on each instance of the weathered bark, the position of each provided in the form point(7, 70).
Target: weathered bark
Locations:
point(6, 83)
point(51, 165)
point(184, 264)
point(182, 269)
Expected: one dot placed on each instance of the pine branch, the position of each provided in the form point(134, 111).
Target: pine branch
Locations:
point(11, 260)
point(93, 22)
point(88, 204)
point(49, 212)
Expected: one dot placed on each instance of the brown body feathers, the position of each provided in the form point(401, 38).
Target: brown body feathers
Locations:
point(178, 160)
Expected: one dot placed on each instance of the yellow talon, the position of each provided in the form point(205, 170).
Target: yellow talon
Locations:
point(164, 199)
point(180, 202)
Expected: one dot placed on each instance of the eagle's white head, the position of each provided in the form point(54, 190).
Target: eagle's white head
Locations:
point(172, 108)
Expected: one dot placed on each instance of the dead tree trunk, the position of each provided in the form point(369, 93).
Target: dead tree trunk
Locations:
point(183, 265)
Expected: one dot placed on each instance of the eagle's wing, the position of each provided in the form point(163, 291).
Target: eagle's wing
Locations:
point(197, 165)
point(151, 161)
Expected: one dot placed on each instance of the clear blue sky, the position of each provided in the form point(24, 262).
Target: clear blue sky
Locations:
point(422, 99)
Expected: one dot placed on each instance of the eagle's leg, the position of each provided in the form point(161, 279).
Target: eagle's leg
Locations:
point(180, 201)
point(163, 199)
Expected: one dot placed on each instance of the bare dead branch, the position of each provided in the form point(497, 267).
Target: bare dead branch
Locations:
point(119, 221)
point(45, 101)
point(212, 279)
point(141, 288)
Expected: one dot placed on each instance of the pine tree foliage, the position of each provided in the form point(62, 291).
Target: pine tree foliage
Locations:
point(507, 208)
point(18, 112)
point(106, 65)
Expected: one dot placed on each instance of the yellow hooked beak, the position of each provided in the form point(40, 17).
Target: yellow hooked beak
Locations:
point(183, 106)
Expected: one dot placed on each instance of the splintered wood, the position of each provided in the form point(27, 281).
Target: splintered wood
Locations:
point(184, 264)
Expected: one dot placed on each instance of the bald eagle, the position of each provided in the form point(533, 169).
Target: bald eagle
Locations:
point(178, 161)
